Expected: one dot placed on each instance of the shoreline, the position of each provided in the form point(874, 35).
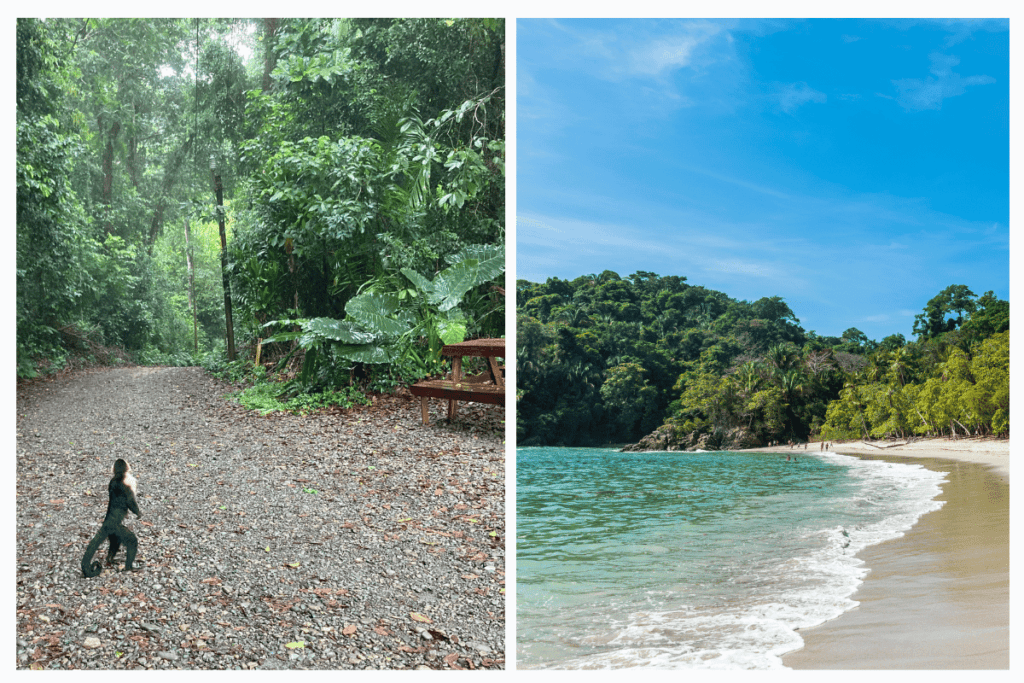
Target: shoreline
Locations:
point(937, 597)
point(990, 452)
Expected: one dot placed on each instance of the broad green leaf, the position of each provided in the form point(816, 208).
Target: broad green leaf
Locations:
point(480, 252)
point(379, 313)
point(339, 330)
point(452, 330)
point(453, 282)
point(422, 283)
point(367, 353)
point(490, 258)
point(282, 337)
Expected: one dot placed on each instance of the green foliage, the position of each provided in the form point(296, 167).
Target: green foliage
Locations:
point(369, 147)
point(380, 329)
point(266, 398)
point(955, 300)
point(630, 398)
point(236, 371)
point(966, 394)
point(738, 372)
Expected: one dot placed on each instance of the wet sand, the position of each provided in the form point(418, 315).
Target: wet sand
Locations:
point(938, 597)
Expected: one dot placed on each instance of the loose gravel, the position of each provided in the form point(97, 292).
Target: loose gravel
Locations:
point(356, 539)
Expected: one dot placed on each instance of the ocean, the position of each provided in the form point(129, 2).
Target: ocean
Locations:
point(695, 560)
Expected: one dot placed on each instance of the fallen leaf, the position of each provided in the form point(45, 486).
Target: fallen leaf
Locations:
point(416, 616)
point(348, 630)
point(295, 644)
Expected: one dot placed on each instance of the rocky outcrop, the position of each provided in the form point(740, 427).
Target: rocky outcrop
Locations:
point(668, 438)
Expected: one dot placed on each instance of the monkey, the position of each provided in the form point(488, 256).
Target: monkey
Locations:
point(121, 489)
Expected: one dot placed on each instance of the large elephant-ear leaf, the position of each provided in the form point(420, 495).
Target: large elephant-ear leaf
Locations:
point(453, 283)
point(490, 259)
point(339, 330)
point(284, 335)
point(379, 313)
point(452, 329)
point(367, 353)
point(422, 283)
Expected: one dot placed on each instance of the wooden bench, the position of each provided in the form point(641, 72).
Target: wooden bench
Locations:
point(487, 387)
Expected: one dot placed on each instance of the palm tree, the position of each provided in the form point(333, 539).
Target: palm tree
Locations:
point(791, 382)
point(574, 315)
point(780, 356)
point(749, 376)
point(899, 363)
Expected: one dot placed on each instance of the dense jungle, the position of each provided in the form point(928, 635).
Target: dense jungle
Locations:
point(238, 241)
point(324, 193)
point(605, 359)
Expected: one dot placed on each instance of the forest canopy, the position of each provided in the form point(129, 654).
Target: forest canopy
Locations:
point(605, 359)
point(358, 161)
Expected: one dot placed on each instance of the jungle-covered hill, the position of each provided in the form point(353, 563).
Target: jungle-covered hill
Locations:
point(605, 359)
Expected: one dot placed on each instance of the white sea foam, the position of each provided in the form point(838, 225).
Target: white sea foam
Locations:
point(754, 619)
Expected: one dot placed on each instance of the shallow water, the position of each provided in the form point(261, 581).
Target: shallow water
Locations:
point(694, 560)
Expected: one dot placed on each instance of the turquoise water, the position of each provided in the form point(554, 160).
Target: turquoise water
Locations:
point(694, 560)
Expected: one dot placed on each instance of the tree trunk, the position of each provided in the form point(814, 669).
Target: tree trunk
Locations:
point(219, 188)
point(108, 170)
point(170, 178)
point(269, 34)
point(191, 287)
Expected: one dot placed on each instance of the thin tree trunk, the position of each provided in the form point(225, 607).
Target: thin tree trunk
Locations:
point(966, 430)
point(191, 287)
point(170, 178)
point(219, 188)
point(108, 170)
point(269, 33)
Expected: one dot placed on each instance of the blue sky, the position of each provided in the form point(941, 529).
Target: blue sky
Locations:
point(853, 167)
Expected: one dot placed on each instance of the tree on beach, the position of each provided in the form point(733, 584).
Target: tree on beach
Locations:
point(945, 312)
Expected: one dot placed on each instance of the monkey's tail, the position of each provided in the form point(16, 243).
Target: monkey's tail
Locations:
point(94, 569)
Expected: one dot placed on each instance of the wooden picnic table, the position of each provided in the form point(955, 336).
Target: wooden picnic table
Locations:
point(487, 387)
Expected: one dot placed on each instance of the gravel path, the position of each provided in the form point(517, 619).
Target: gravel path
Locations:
point(375, 541)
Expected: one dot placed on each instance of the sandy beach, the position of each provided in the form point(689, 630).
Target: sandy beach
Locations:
point(938, 597)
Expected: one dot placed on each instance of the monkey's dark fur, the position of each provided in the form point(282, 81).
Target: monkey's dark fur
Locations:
point(122, 499)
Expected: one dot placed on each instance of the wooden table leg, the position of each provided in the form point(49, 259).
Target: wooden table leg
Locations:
point(425, 408)
point(457, 382)
point(492, 365)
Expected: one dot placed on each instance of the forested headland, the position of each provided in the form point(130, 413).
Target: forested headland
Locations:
point(604, 359)
point(352, 168)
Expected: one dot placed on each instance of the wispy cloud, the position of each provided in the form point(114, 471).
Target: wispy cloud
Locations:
point(738, 182)
point(644, 52)
point(792, 96)
point(665, 55)
point(916, 94)
point(762, 269)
